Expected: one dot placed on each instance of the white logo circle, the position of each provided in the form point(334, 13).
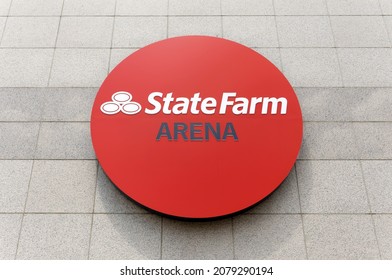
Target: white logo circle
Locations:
point(121, 101)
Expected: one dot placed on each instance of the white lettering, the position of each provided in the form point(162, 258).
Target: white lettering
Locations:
point(274, 101)
point(253, 102)
point(195, 101)
point(183, 104)
point(153, 102)
point(196, 104)
point(225, 101)
point(241, 108)
point(207, 103)
point(167, 100)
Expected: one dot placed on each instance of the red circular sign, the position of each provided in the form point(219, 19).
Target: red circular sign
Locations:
point(196, 127)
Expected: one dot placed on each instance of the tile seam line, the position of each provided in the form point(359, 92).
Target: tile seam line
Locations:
point(301, 214)
point(139, 47)
point(320, 213)
point(335, 45)
point(161, 241)
point(55, 45)
point(167, 18)
point(74, 213)
point(364, 159)
point(294, 86)
point(93, 211)
point(233, 237)
point(221, 17)
point(152, 213)
point(199, 15)
point(370, 208)
point(28, 191)
point(385, 25)
point(389, 35)
point(363, 179)
point(94, 159)
point(111, 39)
point(375, 232)
point(278, 38)
point(5, 23)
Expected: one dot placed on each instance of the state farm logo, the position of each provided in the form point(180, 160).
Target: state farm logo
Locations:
point(196, 127)
point(168, 104)
point(121, 101)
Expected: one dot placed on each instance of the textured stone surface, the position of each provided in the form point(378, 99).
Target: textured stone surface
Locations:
point(68, 104)
point(126, 237)
point(92, 32)
point(25, 67)
point(89, 7)
point(136, 32)
point(386, 7)
point(193, 240)
point(353, 7)
point(194, 7)
point(329, 140)
point(300, 7)
point(331, 187)
point(378, 180)
point(18, 140)
point(35, 7)
point(117, 55)
point(366, 67)
point(14, 183)
point(340, 237)
point(109, 199)
point(310, 31)
point(272, 54)
point(2, 24)
point(79, 67)
point(65, 140)
point(374, 139)
point(9, 232)
point(383, 225)
point(247, 7)
point(4, 7)
point(345, 104)
point(32, 32)
point(141, 7)
point(311, 67)
point(181, 26)
point(21, 104)
point(388, 23)
point(252, 31)
point(283, 200)
point(54, 236)
point(268, 237)
point(350, 31)
point(62, 186)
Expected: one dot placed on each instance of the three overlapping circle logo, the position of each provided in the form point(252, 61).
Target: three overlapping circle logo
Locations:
point(121, 101)
point(196, 127)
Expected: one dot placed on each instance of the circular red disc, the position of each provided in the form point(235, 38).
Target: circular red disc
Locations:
point(247, 154)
